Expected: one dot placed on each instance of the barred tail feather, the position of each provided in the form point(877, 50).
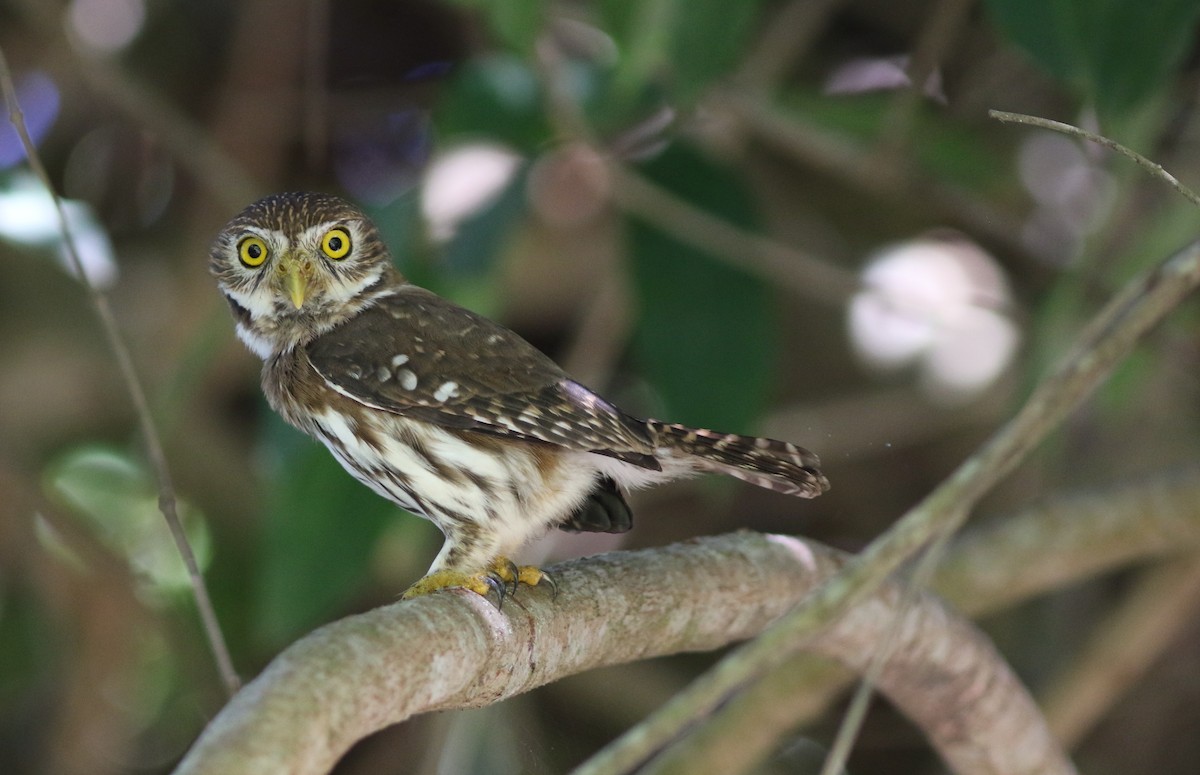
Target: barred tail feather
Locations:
point(775, 465)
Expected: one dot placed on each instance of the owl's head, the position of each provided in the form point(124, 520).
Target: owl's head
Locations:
point(294, 265)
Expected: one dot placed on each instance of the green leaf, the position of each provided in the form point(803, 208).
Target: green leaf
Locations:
point(116, 498)
point(516, 22)
point(1117, 52)
point(707, 333)
point(321, 526)
point(682, 45)
point(709, 41)
point(948, 150)
point(497, 97)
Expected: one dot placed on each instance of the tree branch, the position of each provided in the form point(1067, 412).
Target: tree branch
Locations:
point(1070, 538)
point(369, 671)
point(1060, 542)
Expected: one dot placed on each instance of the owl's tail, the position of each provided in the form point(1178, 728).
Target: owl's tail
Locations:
point(776, 465)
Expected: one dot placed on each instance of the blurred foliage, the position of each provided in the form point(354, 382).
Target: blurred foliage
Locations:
point(676, 46)
point(319, 529)
point(116, 498)
point(495, 96)
point(1113, 51)
point(727, 317)
point(96, 640)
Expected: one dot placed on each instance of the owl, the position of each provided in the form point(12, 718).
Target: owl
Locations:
point(447, 414)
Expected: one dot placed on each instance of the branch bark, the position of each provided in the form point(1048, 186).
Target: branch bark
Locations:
point(363, 673)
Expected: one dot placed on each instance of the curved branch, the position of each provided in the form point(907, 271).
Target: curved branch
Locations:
point(369, 671)
point(1060, 542)
point(1068, 538)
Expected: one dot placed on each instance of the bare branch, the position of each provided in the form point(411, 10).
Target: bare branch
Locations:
point(1070, 538)
point(366, 672)
point(806, 275)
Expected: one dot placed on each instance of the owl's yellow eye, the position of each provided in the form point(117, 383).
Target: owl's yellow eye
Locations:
point(336, 243)
point(252, 251)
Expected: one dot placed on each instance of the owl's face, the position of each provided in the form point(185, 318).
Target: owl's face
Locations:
point(294, 265)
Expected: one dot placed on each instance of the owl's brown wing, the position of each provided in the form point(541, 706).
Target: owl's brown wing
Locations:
point(421, 356)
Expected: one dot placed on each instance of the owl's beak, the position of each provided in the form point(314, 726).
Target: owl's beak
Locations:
point(296, 273)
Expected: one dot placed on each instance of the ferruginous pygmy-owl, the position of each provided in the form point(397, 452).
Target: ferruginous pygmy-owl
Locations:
point(442, 411)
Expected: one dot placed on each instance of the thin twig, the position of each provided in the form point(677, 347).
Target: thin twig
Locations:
point(1104, 343)
point(889, 640)
point(813, 278)
point(945, 22)
point(167, 502)
point(1154, 168)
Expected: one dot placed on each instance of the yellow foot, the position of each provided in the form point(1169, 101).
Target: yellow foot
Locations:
point(479, 583)
point(504, 577)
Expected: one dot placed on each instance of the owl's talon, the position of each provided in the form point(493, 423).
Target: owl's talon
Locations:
point(546, 577)
point(497, 585)
point(518, 575)
point(511, 574)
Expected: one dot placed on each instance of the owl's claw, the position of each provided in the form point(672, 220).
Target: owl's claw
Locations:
point(511, 575)
point(497, 584)
point(516, 575)
point(546, 577)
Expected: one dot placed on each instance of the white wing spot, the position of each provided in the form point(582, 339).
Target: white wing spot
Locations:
point(383, 373)
point(399, 360)
point(408, 379)
point(445, 390)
